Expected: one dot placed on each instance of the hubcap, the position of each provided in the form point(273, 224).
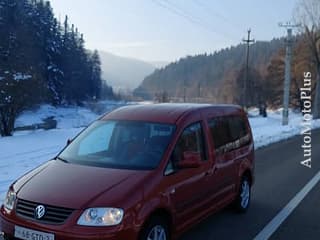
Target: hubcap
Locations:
point(157, 233)
point(245, 194)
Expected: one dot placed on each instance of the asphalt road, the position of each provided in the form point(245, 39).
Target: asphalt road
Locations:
point(279, 177)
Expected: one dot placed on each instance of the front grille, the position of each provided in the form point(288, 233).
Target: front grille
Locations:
point(53, 215)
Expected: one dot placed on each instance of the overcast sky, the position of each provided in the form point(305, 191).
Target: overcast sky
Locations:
point(165, 30)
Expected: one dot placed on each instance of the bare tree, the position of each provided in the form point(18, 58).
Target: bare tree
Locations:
point(162, 97)
point(15, 96)
point(307, 13)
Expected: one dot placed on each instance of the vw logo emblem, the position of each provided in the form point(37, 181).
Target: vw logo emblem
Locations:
point(39, 212)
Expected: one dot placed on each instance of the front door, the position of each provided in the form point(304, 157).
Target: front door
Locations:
point(188, 188)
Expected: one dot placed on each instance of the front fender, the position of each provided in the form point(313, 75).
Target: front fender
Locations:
point(153, 205)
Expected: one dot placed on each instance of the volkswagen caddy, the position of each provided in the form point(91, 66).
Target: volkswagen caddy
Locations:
point(144, 172)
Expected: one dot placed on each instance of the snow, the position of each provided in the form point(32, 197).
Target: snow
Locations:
point(18, 76)
point(21, 76)
point(8, 99)
point(67, 117)
point(270, 130)
point(24, 151)
point(28, 149)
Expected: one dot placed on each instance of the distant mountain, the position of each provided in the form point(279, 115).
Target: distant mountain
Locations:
point(124, 73)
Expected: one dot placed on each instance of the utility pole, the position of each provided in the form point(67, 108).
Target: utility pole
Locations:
point(184, 90)
point(199, 92)
point(245, 83)
point(287, 74)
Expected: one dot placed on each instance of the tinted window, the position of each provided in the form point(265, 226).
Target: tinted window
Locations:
point(228, 133)
point(237, 127)
point(219, 128)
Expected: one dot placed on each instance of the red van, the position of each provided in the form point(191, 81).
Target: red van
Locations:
point(146, 172)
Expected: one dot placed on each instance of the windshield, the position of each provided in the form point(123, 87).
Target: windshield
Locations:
point(120, 144)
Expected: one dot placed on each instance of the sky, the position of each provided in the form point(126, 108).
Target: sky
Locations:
point(166, 30)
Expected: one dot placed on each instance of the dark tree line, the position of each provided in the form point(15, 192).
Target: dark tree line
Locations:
point(42, 60)
point(216, 77)
point(219, 77)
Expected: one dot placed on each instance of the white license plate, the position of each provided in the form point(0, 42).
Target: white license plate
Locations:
point(28, 234)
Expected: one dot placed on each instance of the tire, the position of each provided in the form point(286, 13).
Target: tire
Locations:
point(155, 229)
point(242, 201)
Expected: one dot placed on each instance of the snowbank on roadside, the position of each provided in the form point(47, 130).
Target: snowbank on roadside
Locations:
point(66, 117)
point(269, 130)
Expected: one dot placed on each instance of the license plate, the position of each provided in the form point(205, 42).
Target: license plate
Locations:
point(28, 234)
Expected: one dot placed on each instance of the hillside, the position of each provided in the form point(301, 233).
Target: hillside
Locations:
point(205, 75)
point(123, 73)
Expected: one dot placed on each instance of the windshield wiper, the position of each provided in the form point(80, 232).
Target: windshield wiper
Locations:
point(61, 159)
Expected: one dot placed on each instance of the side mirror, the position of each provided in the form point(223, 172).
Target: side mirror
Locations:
point(190, 160)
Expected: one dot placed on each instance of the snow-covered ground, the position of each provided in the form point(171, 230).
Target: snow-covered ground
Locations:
point(66, 116)
point(269, 130)
point(28, 149)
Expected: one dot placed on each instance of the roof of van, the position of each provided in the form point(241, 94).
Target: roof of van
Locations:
point(164, 112)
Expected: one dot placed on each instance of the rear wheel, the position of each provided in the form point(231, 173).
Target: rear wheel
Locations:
point(242, 202)
point(156, 229)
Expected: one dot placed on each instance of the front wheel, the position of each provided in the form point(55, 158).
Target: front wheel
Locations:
point(244, 196)
point(156, 229)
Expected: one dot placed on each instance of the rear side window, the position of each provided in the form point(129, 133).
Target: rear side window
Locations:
point(238, 128)
point(229, 133)
point(220, 131)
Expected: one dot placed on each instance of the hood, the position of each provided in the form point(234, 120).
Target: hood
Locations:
point(76, 186)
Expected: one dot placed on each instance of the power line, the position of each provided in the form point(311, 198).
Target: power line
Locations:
point(180, 13)
point(204, 23)
point(173, 8)
point(211, 12)
point(177, 7)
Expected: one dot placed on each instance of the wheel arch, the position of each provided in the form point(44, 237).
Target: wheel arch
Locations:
point(162, 213)
point(247, 173)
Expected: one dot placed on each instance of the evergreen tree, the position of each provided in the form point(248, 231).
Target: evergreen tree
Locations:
point(95, 74)
point(40, 61)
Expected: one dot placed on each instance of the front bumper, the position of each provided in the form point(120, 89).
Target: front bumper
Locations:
point(65, 231)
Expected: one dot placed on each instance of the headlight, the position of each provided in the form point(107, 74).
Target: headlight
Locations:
point(101, 217)
point(9, 200)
